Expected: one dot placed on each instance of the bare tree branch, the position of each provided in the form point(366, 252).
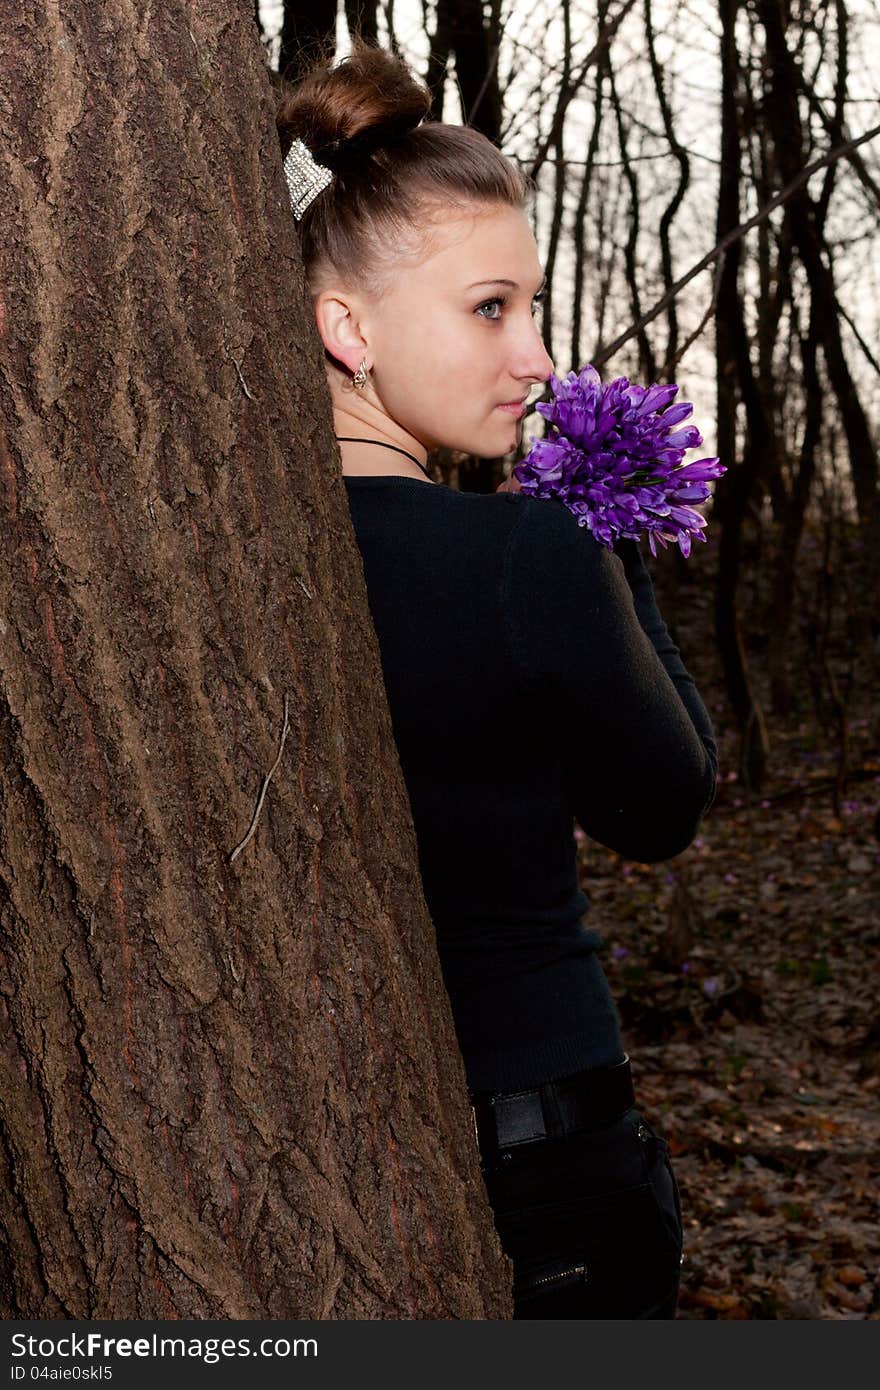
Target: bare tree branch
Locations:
point(567, 96)
point(792, 187)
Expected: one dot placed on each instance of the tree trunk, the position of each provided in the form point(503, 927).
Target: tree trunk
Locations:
point(785, 569)
point(461, 28)
point(308, 36)
point(230, 1084)
point(733, 374)
point(362, 17)
point(781, 102)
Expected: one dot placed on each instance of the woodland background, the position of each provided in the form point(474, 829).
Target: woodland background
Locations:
point(747, 971)
point(229, 1085)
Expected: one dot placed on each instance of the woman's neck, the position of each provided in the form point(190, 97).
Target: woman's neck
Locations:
point(367, 459)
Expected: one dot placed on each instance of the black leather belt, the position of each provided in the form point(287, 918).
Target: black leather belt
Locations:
point(587, 1100)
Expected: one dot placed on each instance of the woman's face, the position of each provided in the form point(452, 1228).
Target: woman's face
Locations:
point(454, 339)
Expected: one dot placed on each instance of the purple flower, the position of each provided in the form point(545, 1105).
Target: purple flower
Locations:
point(619, 952)
point(615, 459)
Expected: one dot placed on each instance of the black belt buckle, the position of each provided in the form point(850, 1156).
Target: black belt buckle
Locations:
point(509, 1119)
point(519, 1118)
point(506, 1120)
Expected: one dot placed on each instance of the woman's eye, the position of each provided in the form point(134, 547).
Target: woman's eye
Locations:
point(501, 301)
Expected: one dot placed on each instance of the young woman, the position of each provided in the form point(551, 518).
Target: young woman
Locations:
point(530, 677)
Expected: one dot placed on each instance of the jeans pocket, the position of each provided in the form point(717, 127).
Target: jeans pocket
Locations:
point(540, 1279)
point(662, 1182)
point(602, 1256)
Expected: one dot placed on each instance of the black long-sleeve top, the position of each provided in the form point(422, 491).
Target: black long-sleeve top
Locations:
point(531, 682)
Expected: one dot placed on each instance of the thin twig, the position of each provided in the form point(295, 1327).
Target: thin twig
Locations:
point(673, 362)
point(244, 385)
point(569, 91)
point(859, 339)
point(266, 780)
point(490, 68)
point(235, 363)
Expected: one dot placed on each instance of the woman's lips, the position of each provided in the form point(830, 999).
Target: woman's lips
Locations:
point(516, 408)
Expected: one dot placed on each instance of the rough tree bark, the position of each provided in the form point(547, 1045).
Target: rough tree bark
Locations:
point(229, 1087)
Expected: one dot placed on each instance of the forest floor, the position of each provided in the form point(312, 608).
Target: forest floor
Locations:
point(747, 976)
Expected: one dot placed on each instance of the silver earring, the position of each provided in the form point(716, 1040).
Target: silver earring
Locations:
point(360, 377)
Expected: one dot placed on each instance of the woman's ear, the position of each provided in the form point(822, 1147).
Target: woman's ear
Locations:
point(336, 317)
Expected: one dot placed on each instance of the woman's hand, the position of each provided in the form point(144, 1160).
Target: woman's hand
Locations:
point(510, 484)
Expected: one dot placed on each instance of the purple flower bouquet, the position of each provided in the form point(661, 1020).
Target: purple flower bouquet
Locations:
point(615, 460)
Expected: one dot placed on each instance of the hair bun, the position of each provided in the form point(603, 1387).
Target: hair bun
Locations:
point(356, 147)
point(364, 120)
point(369, 100)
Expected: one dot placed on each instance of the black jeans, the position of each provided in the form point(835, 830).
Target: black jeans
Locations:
point(592, 1223)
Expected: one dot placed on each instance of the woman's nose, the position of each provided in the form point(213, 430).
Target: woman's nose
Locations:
point(534, 360)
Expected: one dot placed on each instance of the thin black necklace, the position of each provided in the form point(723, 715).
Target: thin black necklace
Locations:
point(354, 439)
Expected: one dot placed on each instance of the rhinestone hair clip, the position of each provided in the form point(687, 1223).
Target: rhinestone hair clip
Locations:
point(305, 177)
